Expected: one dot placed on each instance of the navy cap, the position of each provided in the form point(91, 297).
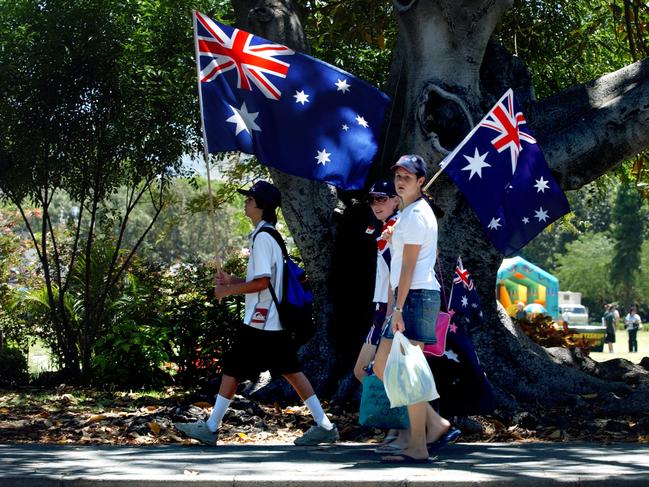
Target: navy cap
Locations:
point(411, 163)
point(265, 194)
point(383, 187)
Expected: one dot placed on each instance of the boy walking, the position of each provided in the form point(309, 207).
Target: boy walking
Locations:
point(261, 344)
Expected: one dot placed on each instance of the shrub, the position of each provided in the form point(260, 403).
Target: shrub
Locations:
point(13, 367)
point(166, 326)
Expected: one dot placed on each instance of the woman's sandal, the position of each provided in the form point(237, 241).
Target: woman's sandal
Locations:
point(449, 437)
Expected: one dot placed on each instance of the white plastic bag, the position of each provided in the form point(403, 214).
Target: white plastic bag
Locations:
point(407, 377)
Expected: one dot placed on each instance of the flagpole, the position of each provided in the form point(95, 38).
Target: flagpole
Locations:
point(432, 180)
point(205, 152)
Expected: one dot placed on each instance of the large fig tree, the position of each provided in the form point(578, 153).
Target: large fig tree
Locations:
point(446, 72)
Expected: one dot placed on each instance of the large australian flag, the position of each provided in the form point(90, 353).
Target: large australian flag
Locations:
point(503, 174)
point(295, 113)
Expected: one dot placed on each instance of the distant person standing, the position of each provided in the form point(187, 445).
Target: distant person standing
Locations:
point(609, 322)
point(521, 314)
point(632, 323)
point(616, 313)
point(565, 318)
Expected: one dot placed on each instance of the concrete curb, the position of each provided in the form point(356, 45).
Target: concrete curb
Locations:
point(471, 464)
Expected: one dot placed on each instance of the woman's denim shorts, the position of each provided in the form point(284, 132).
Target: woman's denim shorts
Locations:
point(419, 315)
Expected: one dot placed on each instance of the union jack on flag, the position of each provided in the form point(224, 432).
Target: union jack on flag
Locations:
point(502, 172)
point(462, 275)
point(505, 121)
point(234, 51)
point(293, 112)
point(464, 299)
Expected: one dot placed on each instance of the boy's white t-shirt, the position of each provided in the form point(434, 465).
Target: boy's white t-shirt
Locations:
point(266, 260)
point(417, 226)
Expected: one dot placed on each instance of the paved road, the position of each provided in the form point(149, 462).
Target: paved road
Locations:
point(459, 465)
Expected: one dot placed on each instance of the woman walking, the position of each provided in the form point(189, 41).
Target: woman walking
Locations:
point(416, 300)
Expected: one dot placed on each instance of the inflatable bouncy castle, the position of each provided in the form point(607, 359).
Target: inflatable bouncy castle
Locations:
point(520, 280)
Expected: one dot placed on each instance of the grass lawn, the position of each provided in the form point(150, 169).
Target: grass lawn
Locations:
point(621, 348)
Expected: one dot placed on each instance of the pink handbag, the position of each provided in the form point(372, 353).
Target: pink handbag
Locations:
point(441, 326)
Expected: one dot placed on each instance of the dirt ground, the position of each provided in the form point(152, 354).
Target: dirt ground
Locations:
point(67, 415)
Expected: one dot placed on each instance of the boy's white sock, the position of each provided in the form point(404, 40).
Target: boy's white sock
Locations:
point(313, 403)
point(220, 407)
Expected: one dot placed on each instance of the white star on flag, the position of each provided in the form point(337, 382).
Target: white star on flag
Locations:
point(323, 157)
point(342, 85)
point(465, 301)
point(476, 163)
point(345, 127)
point(541, 214)
point(301, 97)
point(451, 355)
point(494, 224)
point(526, 220)
point(361, 121)
point(244, 119)
point(541, 185)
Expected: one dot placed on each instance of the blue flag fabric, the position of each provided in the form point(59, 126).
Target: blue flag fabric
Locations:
point(295, 113)
point(503, 174)
point(464, 299)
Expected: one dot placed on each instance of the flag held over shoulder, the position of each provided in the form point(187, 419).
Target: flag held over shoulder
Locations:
point(503, 174)
point(294, 112)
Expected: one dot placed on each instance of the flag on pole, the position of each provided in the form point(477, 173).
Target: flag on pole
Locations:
point(503, 174)
point(463, 386)
point(464, 299)
point(294, 112)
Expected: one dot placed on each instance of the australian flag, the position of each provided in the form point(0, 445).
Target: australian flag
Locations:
point(295, 113)
point(503, 174)
point(461, 382)
point(464, 300)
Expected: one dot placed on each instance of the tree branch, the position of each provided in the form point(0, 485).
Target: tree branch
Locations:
point(588, 129)
point(75, 245)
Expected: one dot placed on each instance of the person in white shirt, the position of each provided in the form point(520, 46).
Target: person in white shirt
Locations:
point(416, 301)
point(261, 343)
point(384, 203)
point(633, 323)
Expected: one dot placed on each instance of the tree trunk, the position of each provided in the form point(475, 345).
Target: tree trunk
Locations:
point(310, 209)
point(451, 75)
point(445, 75)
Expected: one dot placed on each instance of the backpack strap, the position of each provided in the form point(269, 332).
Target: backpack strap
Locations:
point(280, 241)
point(276, 235)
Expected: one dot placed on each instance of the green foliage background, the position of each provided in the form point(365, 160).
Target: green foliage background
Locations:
point(108, 89)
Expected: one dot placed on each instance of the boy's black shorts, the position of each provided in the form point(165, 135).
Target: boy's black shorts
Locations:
point(255, 351)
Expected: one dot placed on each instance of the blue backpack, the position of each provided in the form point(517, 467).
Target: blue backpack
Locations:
point(295, 310)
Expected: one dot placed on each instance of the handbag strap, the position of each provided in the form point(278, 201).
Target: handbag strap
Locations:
point(441, 284)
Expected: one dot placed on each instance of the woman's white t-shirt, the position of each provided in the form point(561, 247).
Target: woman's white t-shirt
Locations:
point(417, 226)
point(266, 260)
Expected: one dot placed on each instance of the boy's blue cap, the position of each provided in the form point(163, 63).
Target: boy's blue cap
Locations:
point(265, 194)
point(411, 163)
